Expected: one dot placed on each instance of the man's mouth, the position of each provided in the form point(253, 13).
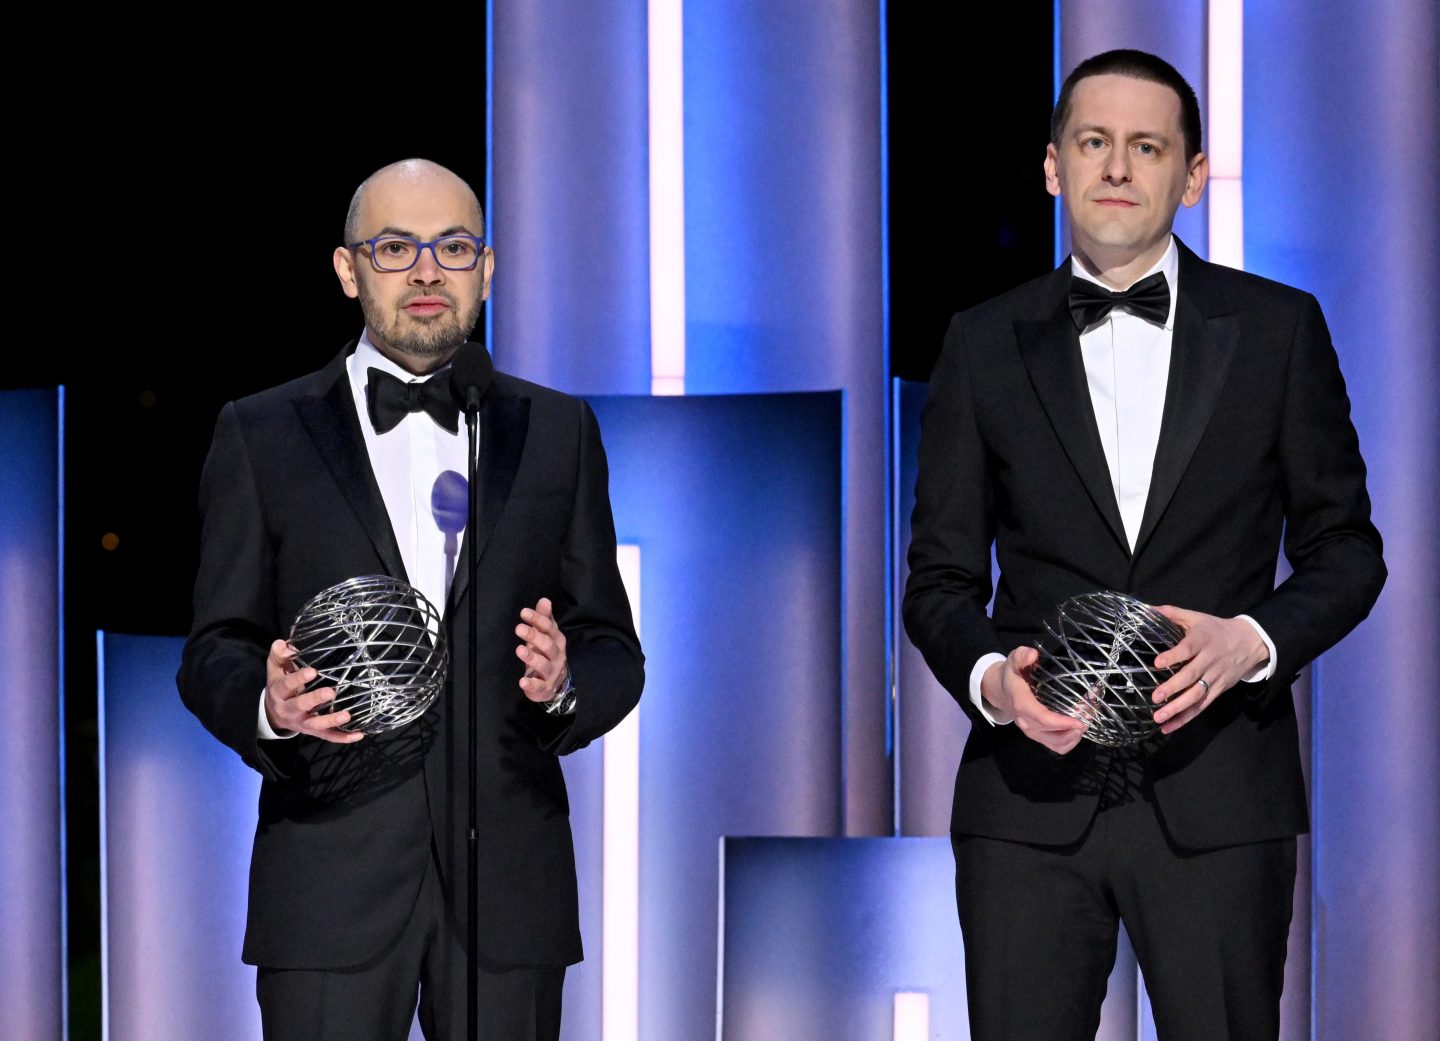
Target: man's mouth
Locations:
point(427, 305)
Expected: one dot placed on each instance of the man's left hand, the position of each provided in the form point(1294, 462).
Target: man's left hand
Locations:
point(1218, 651)
point(543, 652)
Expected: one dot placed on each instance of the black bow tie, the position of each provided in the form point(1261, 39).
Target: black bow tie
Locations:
point(1148, 298)
point(390, 400)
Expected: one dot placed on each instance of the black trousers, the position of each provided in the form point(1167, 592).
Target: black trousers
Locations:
point(1040, 925)
point(377, 1001)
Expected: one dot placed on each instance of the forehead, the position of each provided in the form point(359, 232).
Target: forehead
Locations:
point(424, 204)
point(1124, 103)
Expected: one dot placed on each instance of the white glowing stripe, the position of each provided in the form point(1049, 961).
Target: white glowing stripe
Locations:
point(1226, 132)
point(667, 199)
point(620, 870)
point(1227, 222)
point(912, 1016)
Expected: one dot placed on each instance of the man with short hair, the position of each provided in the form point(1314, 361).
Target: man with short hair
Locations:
point(358, 878)
point(1144, 422)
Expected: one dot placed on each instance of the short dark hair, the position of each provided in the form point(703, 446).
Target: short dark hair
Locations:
point(1139, 65)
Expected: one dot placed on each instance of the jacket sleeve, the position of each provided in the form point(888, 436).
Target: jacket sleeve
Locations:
point(222, 669)
point(593, 611)
point(1333, 548)
point(952, 529)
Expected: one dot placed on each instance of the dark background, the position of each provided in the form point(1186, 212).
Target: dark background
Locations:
point(152, 204)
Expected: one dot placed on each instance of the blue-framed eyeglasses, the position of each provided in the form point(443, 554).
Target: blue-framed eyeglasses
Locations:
point(398, 253)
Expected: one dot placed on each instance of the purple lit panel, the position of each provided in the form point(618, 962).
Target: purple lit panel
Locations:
point(179, 813)
point(31, 870)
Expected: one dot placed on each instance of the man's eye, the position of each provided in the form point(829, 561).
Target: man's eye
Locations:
point(1146, 148)
point(1093, 143)
point(457, 247)
point(394, 247)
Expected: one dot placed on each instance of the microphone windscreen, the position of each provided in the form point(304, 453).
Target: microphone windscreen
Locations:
point(471, 372)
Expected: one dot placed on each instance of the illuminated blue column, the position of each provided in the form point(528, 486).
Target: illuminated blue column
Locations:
point(569, 194)
point(784, 282)
point(32, 949)
point(1175, 30)
point(177, 818)
point(1341, 147)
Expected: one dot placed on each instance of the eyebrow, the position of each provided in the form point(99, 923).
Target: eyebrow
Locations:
point(454, 229)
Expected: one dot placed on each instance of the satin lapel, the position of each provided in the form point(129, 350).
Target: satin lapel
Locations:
point(1051, 352)
point(333, 425)
point(1199, 360)
point(504, 425)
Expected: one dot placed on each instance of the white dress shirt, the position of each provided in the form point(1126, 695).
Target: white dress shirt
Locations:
point(407, 462)
point(1127, 368)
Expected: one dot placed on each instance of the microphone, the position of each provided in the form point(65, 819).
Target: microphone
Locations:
point(471, 373)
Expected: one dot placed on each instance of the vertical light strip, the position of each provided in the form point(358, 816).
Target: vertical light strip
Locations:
point(1226, 132)
point(912, 1016)
point(667, 198)
point(1058, 78)
point(489, 191)
point(60, 672)
point(620, 868)
point(104, 840)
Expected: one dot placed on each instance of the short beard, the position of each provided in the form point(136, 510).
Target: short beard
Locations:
point(431, 337)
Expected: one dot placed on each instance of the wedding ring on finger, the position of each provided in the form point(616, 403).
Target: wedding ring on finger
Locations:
point(1206, 685)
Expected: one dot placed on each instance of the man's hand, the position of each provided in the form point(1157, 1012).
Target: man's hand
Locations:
point(543, 652)
point(1214, 655)
point(289, 707)
point(1006, 687)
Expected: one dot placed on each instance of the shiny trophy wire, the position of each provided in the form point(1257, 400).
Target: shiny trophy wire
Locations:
point(380, 644)
point(1097, 665)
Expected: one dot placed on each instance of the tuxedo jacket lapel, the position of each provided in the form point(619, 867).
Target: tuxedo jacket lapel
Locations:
point(1204, 341)
point(1050, 349)
point(504, 424)
point(332, 423)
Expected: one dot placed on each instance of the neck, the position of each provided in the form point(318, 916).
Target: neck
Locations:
point(415, 364)
point(1118, 268)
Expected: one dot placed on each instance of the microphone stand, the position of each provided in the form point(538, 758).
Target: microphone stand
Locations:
point(472, 925)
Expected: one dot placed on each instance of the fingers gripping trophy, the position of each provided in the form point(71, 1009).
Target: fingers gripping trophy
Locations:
point(1097, 665)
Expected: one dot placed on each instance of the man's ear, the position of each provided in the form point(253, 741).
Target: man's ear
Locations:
point(1195, 179)
point(344, 261)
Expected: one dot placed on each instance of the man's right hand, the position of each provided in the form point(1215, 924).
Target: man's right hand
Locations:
point(289, 707)
point(1005, 686)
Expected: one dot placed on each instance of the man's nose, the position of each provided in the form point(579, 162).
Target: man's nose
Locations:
point(427, 270)
point(1117, 166)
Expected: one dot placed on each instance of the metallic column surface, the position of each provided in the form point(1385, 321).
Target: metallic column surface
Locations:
point(784, 284)
point(570, 195)
point(735, 505)
point(178, 814)
point(31, 867)
point(1342, 155)
point(1175, 30)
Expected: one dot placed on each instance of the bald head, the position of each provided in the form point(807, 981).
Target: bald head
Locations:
point(408, 174)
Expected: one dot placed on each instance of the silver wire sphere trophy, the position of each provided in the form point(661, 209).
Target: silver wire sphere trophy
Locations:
point(380, 644)
point(1097, 664)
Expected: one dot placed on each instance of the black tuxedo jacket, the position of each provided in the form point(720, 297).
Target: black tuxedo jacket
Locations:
point(291, 506)
point(1255, 442)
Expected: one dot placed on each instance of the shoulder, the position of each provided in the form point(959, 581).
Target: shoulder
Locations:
point(547, 405)
point(1218, 289)
point(1034, 299)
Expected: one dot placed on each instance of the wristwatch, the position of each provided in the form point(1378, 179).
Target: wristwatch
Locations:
point(563, 703)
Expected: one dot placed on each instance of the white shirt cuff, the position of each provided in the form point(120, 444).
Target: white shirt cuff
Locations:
point(1267, 670)
point(264, 731)
point(976, 675)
